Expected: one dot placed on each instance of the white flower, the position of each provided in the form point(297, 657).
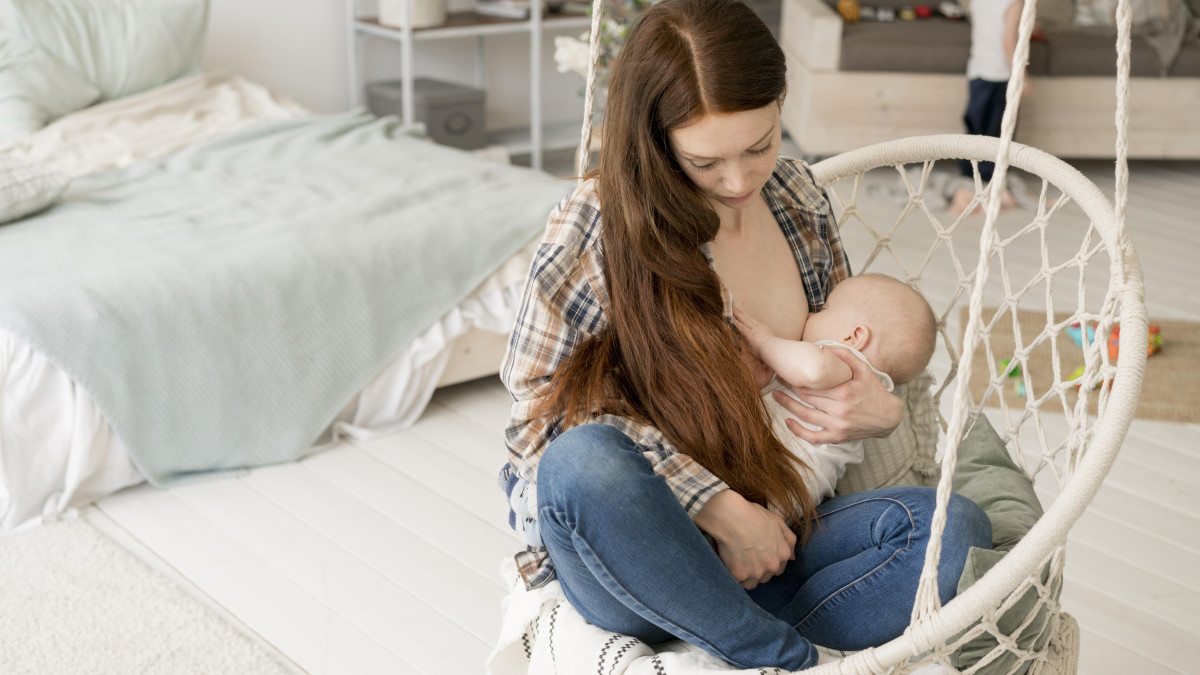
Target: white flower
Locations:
point(571, 55)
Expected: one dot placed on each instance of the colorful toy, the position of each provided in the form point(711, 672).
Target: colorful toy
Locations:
point(1015, 376)
point(1075, 331)
point(1154, 343)
point(849, 10)
point(1078, 374)
point(907, 13)
point(923, 11)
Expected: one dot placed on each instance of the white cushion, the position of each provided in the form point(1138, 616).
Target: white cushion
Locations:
point(26, 187)
point(122, 46)
point(35, 88)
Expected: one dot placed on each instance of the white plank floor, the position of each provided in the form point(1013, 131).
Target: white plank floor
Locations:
point(384, 557)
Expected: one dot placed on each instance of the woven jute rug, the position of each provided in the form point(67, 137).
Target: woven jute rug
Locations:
point(1170, 389)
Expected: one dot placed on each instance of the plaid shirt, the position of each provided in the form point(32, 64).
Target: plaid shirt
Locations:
point(566, 302)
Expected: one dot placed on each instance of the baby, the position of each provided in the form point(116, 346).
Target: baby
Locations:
point(880, 320)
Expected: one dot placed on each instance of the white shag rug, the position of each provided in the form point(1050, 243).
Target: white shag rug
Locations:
point(73, 601)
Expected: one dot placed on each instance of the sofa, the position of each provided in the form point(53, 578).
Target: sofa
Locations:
point(856, 83)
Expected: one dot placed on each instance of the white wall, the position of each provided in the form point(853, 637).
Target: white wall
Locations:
point(299, 48)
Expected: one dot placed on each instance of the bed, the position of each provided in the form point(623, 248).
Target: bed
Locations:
point(58, 446)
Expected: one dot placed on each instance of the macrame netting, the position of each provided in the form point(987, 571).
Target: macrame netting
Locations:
point(1011, 264)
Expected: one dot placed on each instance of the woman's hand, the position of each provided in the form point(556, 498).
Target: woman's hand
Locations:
point(855, 409)
point(755, 544)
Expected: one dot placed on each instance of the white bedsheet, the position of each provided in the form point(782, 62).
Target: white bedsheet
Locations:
point(151, 124)
point(57, 452)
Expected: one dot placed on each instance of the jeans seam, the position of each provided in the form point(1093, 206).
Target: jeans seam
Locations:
point(907, 545)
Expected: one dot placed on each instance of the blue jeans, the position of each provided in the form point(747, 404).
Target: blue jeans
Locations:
point(985, 112)
point(631, 560)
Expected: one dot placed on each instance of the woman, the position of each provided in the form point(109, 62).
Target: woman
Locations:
point(643, 472)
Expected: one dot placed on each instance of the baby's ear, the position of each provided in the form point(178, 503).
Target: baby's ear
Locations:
point(859, 338)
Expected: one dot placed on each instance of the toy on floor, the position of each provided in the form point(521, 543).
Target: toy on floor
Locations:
point(866, 13)
point(1077, 374)
point(907, 13)
point(1075, 331)
point(923, 11)
point(885, 14)
point(1154, 343)
point(1015, 376)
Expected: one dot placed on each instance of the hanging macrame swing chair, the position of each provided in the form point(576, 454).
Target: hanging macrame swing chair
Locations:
point(1093, 407)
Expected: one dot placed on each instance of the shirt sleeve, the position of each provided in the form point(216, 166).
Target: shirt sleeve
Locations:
point(563, 305)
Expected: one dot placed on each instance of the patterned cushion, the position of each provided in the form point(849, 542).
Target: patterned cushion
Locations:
point(26, 188)
point(906, 456)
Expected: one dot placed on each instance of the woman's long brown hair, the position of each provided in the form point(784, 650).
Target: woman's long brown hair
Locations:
point(668, 357)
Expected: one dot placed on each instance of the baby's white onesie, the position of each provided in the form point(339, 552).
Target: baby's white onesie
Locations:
point(827, 461)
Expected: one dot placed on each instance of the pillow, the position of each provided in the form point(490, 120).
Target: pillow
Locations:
point(26, 188)
point(122, 46)
point(906, 456)
point(1032, 637)
point(987, 475)
point(35, 88)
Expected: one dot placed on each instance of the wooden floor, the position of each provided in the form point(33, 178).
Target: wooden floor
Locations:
point(384, 557)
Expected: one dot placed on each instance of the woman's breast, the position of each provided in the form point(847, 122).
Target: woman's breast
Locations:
point(764, 280)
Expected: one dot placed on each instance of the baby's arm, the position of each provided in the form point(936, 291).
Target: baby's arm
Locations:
point(798, 363)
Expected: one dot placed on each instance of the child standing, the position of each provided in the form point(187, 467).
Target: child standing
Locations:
point(994, 25)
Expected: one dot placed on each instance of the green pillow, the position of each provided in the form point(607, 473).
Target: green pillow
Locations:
point(122, 46)
point(987, 475)
point(35, 88)
point(1032, 637)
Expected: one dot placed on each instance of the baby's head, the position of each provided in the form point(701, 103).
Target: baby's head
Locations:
point(889, 322)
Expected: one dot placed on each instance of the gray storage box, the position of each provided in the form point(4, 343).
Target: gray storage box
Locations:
point(452, 113)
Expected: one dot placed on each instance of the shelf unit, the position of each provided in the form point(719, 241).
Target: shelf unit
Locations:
point(541, 137)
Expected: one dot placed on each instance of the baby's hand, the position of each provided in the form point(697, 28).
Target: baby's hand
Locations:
point(755, 332)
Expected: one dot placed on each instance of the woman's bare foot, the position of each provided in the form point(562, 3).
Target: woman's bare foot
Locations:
point(963, 196)
point(961, 199)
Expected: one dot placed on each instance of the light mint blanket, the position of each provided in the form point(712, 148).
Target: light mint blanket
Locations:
point(221, 305)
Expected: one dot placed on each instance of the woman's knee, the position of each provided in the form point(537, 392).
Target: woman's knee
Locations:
point(967, 527)
point(967, 524)
point(592, 459)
